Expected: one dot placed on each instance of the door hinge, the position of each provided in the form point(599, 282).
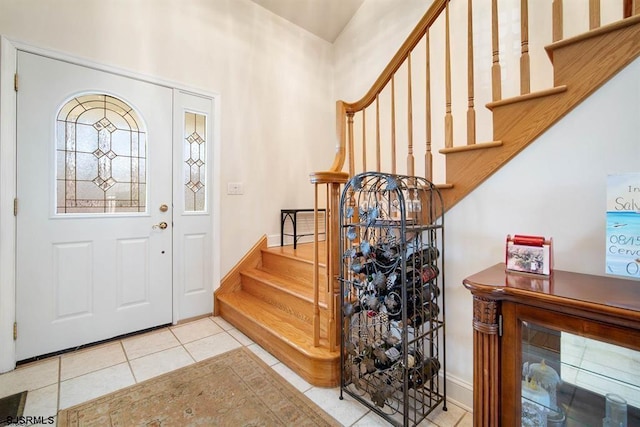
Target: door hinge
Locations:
point(15, 331)
point(499, 325)
point(15, 82)
point(15, 207)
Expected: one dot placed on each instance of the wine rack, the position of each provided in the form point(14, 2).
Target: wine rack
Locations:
point(392, 290)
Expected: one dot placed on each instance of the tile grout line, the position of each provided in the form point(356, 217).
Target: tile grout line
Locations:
point(183, 344)
point(128, 362)
point(153, 352)
point(359, 419)
point(59, 388)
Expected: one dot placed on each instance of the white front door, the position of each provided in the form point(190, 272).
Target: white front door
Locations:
point(94, 189)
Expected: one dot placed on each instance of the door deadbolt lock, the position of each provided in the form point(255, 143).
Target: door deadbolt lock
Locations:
point(164, 208)
point(161, 226)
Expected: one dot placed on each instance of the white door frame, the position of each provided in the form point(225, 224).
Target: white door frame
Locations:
point(8, 60)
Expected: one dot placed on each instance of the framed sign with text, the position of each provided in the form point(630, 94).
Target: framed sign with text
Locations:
point(623, 225)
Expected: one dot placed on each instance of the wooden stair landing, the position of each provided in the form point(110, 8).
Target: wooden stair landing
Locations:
point(273, 305)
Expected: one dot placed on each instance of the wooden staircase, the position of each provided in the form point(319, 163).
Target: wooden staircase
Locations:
point(269, 294)
point(581, 65)
point(269, 298)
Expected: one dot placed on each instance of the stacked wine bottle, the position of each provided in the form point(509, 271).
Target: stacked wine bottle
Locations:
point(380, 285)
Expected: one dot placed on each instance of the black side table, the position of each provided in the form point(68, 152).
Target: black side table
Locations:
point(292, 214)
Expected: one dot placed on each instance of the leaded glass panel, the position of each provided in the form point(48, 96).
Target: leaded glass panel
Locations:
point(100, 157)
point(194, 154)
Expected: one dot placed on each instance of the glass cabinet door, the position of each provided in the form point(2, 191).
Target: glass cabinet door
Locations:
point(569, 380)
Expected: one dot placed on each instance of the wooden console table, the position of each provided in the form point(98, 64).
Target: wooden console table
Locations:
point(597, 307)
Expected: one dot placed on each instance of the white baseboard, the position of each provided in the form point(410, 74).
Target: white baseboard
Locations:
point(460, 393)
point(274, 240)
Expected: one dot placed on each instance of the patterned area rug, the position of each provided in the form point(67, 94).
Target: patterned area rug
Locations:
point(233, 389)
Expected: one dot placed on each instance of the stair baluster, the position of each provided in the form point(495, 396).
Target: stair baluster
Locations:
point(525, 66)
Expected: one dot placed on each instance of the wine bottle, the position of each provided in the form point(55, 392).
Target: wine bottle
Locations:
point(421, 375)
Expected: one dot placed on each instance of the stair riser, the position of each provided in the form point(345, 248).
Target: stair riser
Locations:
point(320, 373)
point(283, 301)
point(611, 52)
point(295, 268)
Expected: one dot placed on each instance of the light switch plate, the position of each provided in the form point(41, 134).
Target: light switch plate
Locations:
point(235, 188)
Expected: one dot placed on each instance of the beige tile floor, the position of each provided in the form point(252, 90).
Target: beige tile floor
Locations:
point(59, 382)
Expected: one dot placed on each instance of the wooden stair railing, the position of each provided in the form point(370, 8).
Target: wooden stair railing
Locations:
point(418, 85)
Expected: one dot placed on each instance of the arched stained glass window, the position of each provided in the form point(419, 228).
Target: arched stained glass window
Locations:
point(101, 149)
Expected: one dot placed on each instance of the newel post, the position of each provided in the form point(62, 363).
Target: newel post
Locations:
point(333, 182)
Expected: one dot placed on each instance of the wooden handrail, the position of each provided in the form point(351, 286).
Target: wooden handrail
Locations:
point(341, 132)
point(437, 7)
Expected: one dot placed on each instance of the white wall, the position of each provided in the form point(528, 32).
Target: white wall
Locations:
point(555, 187)
point(370, 40)
point(274, 80)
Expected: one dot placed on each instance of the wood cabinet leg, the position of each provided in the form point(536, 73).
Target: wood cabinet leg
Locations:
point(485, 363)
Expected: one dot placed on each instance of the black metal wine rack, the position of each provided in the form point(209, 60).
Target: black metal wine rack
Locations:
point(392, 288)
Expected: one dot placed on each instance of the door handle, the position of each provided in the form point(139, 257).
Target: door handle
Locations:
point(161, 226)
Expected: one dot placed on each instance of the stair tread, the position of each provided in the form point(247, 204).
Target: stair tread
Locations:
point(292, 330)
point(477, 146)
point(303, 252)
point(299, 288)
point(529, 96)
